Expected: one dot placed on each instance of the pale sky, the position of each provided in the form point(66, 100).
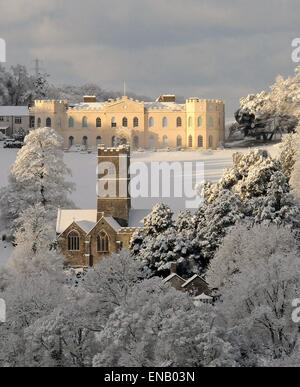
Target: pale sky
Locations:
point(223, 49)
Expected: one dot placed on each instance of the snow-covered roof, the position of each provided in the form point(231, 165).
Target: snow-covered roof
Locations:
point(192, 280)
point(86, 219)
point(113, 223)
point(14, 111)
point(171, 276)
point(164, 105)
point(89, 106)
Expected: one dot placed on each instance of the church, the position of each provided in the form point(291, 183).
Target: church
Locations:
point(164, 123)
point(85, 237)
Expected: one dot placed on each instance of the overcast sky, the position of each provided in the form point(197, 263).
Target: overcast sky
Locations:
point(207, 48)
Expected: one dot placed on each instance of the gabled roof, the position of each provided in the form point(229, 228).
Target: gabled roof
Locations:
point(14, 111)
point(192, 280)
point(86, 219)
point(171, 277)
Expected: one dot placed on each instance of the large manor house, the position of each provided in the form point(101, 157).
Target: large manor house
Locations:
point(151, 125)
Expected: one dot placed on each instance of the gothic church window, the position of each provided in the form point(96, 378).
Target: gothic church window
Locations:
point(103, 242)
point(73, 241)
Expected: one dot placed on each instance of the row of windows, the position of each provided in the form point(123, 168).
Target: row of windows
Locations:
point(102, 242)
point(18, 120)
point(85, 122)
point(99, 141)
point(165, 122)
point(165, 141)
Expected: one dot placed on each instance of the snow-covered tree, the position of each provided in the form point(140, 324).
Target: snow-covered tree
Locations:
point(243, 246)
point(257, 306)
point(288, 152)
point(284, 97)
point(33, 240)
point(37, 176)
point(157, 325)
point(28, 298)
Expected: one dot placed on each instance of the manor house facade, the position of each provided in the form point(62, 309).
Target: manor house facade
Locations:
point(161, 124)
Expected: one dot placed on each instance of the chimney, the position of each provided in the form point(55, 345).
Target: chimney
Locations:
point(89, 99)
point(173, 268)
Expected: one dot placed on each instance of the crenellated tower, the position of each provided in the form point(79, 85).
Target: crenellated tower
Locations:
point(113, 183)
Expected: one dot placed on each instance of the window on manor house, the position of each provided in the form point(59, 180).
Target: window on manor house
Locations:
point(200, 121)
point(48, 122)
point(98, 123)
point(125, 122)
point(151, 122)
point(135, 122)
point(73, 241)
point(18, 120)
point(200, 142)
point(1, 119)
point(103, 242)
point(84, 122)
point(179, 122)
point(39, 123)
point(165, 122)
point(113, 122)
point(179, 141)
point(71, 122)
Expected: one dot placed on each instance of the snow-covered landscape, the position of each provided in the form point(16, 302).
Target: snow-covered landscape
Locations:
point(190, 258)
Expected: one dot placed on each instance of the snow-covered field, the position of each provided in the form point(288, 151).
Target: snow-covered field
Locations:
point(84, 166)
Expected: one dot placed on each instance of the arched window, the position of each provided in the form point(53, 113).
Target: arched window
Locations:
point(165, 122)
point(200, 121)
point(73, 241)
point(71, 122)
point(211, 141)
point(99, 140)
point(136, 142)
point(200, 142)
point(48, 122)
point(98, 122)
point(191, 141)
point(113, 122)
point(152, 142)
point(190, 122)
point(179, 141)
point(211, 122)
point(39, 122)
point(165, 141)
point(135, 122)
point(85, 141)
point(151, 122)
point(84, 122)
point(125, 122)
point(103, 242)
point(71, 141)
point(179, 122)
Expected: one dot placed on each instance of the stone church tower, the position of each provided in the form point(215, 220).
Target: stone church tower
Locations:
point(113, 184)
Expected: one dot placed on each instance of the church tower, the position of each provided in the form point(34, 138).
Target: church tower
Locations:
point(113, 183)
